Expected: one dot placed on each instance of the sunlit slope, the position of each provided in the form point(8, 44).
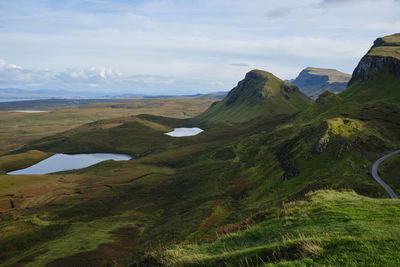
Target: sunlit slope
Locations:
point(327, 228)
point(259, 95)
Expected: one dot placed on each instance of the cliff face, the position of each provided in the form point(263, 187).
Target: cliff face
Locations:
point(370, 65)
point(385, 53)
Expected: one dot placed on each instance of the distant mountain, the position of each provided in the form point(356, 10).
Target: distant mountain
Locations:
point(259, 94)
point(314, 81)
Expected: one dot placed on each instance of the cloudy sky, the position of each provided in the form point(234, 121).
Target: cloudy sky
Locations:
point(181, 46)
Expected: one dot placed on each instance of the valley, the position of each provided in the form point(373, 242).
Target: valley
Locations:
point(275, 178)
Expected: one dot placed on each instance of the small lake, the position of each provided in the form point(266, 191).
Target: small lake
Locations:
point(29, 111)
point(181, 132)
point(64, 162)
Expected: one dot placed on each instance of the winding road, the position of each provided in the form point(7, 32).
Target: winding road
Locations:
point(374, 173)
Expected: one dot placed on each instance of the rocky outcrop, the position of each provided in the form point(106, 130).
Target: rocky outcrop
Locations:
point(250, 86)
point(370, 65)
point(289, 88)
point(322, 144)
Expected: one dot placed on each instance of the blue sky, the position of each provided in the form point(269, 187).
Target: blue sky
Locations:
point(181, 46)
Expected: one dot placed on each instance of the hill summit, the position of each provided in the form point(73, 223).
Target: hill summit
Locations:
point(259, 94)
point(314, 81)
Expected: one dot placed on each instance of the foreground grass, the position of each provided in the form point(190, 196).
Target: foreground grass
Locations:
point(327, 228)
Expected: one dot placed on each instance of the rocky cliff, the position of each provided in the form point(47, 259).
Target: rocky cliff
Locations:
point(385, 53)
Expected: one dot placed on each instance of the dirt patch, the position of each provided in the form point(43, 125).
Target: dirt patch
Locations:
point(110, 254)
point(27, 259)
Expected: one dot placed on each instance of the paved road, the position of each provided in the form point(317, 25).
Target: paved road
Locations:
point(374, 172)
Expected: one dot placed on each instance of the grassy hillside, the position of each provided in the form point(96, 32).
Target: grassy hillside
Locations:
point(389, 171)
point(259, 95)
point(388, 46)
point(326, 228)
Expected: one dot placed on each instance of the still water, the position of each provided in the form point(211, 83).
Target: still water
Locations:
point(64, 162)
point(181, 132)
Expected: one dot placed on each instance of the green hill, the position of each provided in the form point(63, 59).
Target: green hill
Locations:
point(314, 81)
point(259, 95)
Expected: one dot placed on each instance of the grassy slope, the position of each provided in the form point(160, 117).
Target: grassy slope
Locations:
point(327, 228)
point(21, 161)
point(391, 49)
point(389, 171)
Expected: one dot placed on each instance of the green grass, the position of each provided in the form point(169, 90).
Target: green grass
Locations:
point(389, 171)
point(327, 228)
point(391, 47)
point(21, 161)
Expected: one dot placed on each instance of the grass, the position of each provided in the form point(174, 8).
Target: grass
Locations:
point(21, 161)
point(392, 39)
point(327, 228)
point(389, 171)
point(386, 51)
point(390, 49)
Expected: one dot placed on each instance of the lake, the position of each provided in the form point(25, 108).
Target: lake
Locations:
point(65, 162)
point(29, 111)
point(181, 132)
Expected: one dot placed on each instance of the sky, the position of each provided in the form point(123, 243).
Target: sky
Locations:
point(181, 46)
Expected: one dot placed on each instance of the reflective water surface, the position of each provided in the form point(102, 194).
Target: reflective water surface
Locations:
point(29, 111)
point(181, 132)
point(64, 162)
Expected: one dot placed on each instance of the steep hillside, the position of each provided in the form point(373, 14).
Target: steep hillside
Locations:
point(377, 76)
point(314, 81)
point(259, 95)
